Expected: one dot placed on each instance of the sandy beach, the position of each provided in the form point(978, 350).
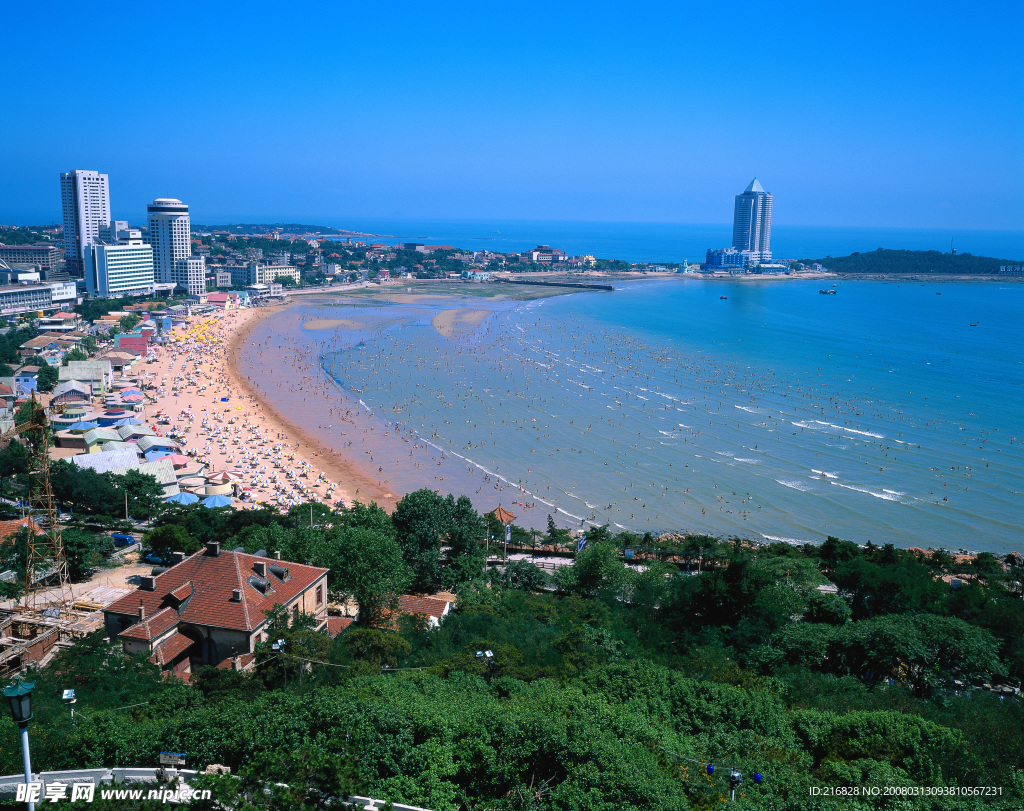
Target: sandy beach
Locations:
point(268, 454)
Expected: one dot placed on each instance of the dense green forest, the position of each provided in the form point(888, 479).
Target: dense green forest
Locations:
point(612, 686)
point(921, 263)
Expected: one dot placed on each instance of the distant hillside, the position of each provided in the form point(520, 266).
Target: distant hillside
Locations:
point(914, 262)
point(266, 228)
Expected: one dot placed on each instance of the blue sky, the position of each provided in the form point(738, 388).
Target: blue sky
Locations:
point(874, 114)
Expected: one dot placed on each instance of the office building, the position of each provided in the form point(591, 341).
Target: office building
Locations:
point(190, 273)
point(85, 200)
point(752, 222)
point(170, 234)
point(47, 257)
point(22, 298)
point(120, 263)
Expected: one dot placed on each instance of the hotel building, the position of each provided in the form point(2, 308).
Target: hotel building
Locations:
point(752, 222)
point(85, 200)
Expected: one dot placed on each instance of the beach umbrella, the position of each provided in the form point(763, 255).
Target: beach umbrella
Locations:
point(182, 498)
point(216, 501)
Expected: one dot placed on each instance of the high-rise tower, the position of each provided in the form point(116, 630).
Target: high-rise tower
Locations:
point(170, 234)
point(752, 222)
point(85, 200)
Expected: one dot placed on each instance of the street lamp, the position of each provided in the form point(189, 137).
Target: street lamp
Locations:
point(278, 647)
point(19, 695)
point(487, 657)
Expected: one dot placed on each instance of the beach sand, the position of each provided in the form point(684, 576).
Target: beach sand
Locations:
point(354, 481)
point(332, 323)
point(210, 364)
point(450, 323)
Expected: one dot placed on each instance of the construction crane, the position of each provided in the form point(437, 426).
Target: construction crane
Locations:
point(47, 585)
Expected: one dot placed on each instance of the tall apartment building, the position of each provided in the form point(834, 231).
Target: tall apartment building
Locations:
point(85, 200)
point(119, 264)
point(170, 234)
point(752, 222)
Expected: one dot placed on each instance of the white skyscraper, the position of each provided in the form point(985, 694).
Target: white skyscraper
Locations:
point(752, 222)
point(170, 234)
point(85, 200)
point(119, 263)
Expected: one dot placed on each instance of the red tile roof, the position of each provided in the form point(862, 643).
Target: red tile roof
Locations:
point(335, 625)
point(213, 579)
point(170, 648)
point(407, 604)
point(151, 627)
point(183, 592)
point(10, 528)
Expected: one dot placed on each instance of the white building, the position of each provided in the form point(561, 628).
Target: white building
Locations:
point(63, 293)
point(752, 222)
point(256, 273)
point(170, 234)
point(85, 200)
point(120, 264)
point(190, 273)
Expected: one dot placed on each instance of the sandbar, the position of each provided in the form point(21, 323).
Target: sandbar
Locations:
point(450, 322)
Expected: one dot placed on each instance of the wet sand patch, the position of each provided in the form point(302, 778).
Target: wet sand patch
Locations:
point(331, 323)
point(450, 322)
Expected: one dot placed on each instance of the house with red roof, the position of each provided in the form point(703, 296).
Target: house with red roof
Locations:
point(431, 609)
point(223, 301)
point(210, 608)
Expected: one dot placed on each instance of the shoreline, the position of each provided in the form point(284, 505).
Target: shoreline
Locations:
point(352, 480)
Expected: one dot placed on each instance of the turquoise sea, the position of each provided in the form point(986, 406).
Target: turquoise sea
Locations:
point(888, 412)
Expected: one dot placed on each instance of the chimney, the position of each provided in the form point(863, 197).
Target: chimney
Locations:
point(147, 583)
point(260, 568)
point(213, 548)
point(277, 556)
point(177, 557)
point(236, 595)
point(142, 612)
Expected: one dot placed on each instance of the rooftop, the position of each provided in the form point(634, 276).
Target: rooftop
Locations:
point(214, 577)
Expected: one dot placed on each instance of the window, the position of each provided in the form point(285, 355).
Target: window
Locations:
point(320, 594)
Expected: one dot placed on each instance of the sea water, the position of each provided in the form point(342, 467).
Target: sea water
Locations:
point(887, 412)
point(674, 242)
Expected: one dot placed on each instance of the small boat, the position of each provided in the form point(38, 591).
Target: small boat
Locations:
point(827, 292)
point(723, 297)
point(975, 323)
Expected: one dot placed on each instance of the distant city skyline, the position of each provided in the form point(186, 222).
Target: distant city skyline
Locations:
point(874, 116)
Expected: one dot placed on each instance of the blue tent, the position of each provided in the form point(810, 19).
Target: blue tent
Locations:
point(83, 426)
point(182, 498)
point(217, 501)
